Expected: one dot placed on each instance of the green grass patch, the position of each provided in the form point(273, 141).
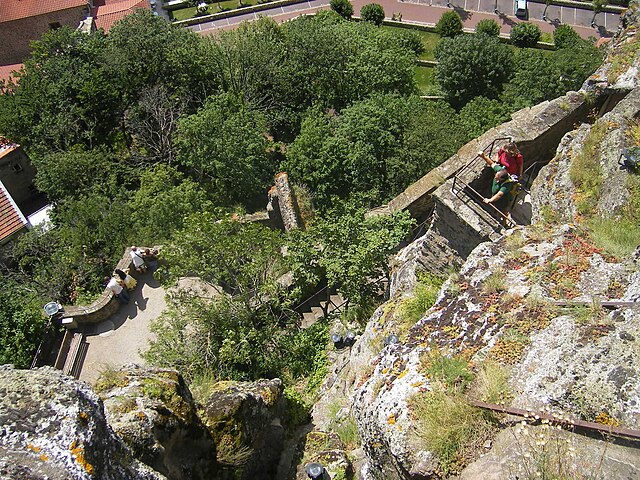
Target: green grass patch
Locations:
point(426, 81)
point(585, 171)
point(451, 371)
point(450, 427)
point(214, 7)
point(424, 296)
point(620, 235)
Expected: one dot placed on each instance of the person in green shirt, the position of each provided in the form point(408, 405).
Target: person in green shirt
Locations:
point(500, 186)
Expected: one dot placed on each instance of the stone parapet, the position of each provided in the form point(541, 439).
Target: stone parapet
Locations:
point(100, 309)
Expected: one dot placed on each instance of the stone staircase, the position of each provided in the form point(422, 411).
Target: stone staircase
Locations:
point(319, 305)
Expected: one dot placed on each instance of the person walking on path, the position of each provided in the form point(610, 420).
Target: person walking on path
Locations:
point(116, 288)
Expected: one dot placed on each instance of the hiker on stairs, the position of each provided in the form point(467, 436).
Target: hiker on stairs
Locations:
point(501, 186)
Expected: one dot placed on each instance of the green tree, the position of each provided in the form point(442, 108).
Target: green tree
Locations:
point(377, 147)
point(64, 96)
point(525, 34)
point(348, 249)
point(22, 323)
point(161, 204)
point(344, 8)
point(489, 27)
point(482, 114)
point(536, 78)
point(449, 25)
point(78, 172)
point(576, 63)
point(470, 66)
point(373, 13)
point(225, 145)
point(143, 50)
point(565, 36)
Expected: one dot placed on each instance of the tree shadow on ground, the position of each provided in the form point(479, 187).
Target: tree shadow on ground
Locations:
point(464, 15)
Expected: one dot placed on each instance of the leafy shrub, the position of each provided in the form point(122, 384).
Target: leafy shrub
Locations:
point(449, 25)
point(472, 65)
point(565, 36)
point(525, 34)
point(344, 8)
point(411, 40)
point(372, 12)
point(489, 27)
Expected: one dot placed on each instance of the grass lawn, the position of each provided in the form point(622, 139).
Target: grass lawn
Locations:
point(214, 7)
point(426, 81)
point(429, 40)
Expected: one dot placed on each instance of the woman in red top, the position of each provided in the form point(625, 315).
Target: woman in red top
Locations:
point(510, 157)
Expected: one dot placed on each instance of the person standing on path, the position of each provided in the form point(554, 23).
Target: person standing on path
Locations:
point(117, 289)
point(138, 260)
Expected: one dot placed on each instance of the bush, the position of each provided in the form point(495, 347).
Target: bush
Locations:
point(472, 65)
point(525, 35)
point(449, 25)
point(565, 36)
point(344, 8)
point(411, 40)
point(372, 12)
point(488, 27)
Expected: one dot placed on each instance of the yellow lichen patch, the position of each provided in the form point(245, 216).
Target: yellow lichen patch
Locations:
point(78, 453)
point(83, 417)
point(141, 415)
point(605, 419)
point(43, 457)
point(270, 396)
point(391, 419)
point(385, 370)
point(417, 384)
point(33, 448)
point(403, 373)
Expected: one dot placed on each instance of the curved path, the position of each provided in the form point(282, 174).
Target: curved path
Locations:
point(428, 12)
point(120, 339)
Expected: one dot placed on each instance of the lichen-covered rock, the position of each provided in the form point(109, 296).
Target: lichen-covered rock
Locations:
point(53, 427)
point(245, 419)
point(327, 449)
point(153, 411)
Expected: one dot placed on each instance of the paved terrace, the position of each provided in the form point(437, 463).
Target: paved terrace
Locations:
point(124, 335)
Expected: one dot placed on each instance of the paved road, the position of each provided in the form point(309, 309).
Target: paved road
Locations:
point(430, 11)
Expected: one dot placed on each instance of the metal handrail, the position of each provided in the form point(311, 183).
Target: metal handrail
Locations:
point(468, 188)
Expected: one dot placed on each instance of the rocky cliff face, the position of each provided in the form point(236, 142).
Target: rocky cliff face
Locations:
point(53, 427)
point(507, 308)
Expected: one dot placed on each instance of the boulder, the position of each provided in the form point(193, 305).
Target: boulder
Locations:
point(246, 421)
point(53, 427)
point(153, 412)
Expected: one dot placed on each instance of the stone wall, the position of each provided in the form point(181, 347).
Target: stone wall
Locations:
point(102, 308)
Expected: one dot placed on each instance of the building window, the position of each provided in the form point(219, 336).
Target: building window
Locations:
point(54, 25)
point(17, 168)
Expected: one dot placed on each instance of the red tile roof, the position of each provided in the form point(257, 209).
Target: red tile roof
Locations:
point(110, 12)
point(11, 219)
point(16, 9)
point(5, 70)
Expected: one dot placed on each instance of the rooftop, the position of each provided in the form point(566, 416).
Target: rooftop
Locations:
point(11, 219)
point(17, 9)
point(108, 12)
